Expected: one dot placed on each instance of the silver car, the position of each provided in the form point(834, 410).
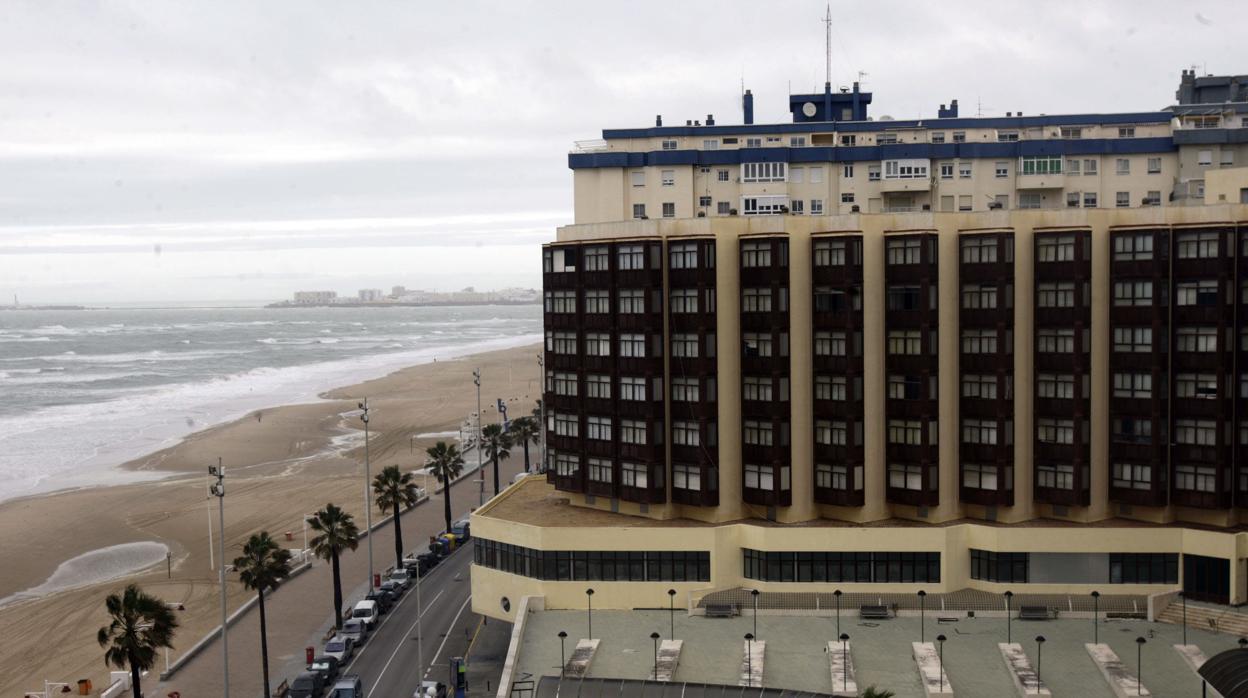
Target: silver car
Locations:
point(340, 648)
point(356, 630)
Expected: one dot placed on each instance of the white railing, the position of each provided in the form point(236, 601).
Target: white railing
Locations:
point(596, 145)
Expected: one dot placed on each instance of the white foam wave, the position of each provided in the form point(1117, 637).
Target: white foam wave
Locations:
point(79, 444)
point(96, 566)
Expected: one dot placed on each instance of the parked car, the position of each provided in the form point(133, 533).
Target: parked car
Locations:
point(430, 689)
point(384, 597)
point(401, 577)
point(355, 629)
point(462, 528)
point(349, 686)
point(368, 612)
point(393, 589)
point(340, 648)
point(326, 666)
point(308, 684)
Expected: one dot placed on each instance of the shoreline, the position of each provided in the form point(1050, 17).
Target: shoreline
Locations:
point(131, 465)
point(279, 468)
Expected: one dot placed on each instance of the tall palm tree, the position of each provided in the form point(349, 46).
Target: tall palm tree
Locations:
point(446, 463)
point(261, 566)
point(497, 445)
point(526, 430)
point(141, 625)
point(394, 492)
point(336, 532)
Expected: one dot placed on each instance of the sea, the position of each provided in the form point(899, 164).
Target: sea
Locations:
point(82, 391)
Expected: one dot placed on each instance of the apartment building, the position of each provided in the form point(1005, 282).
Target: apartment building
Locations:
point(759, 388)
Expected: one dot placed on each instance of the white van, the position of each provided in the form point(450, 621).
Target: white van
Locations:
point(368, 612)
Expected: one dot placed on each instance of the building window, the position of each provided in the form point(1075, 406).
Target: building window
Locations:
point(759, 477)
point(598, 428)
point(634, 475)
point(721, 175)
point(600, 470)
point(1072, 167)
point(979, 341)
point(1202, 386)
point(1136, 385)
point(818, 566)
point(946, 170)
point(905, 476)
point(1195, 478)
point(1122, 166)
point(1089, 166)
point(1055, 431)
point(959, 136)
point(1122, 199)
point(816, 207)
point(1197, 339)
point(905, 169)
point(1202, 245)
point(905, 342)
point(633, 432)
point(684, 300)
point(1002, 169)
point(797, 141)
point(1133, 339)
point(633, 346)
point(763, 171)
point(873, 173)
point(1040, 165)
point(597, 258)
point(1133, 246)
point(1126, 132)
point(1089, 199)
point(905, 387)
point(847, 170)
point(847, 198)
point(796, 206)
point(560, 301)
point(632, 388)
point(669, 210)
point(683, 256)
point(1055, 248)
point(1154, 165)
point(755, 433)
point(561, 342)
point(632, 301)
point(977, 476)
point(979, 431)
point(1128, 293)
point(597, 302)
point(686, 477)
point(1196, 432)
point(756, 300)
point(1056, 341)
point(1055, 476)
point(1007, 136)
point(1055, 294)
point(567, 464)
point(937, 137)
point(829, 253)
point(979, 249)
point(979, 386)
point(686, 390)
point(598, 386)
point(1005, 568)
point(686, 434)
point(755, 388)
point(831, 433)
point(1132, 476)
point(565, 384)
point(1072, 199)
point(1055, 386)
point(639, 210)
point(1202, 293)
point(685, 346)
point(638, 178)
point(755, 254)
point(756, 344)
point(979, 296)
point(630, 257)
point(565, 425)
point(905, 432)
point(1144, 568)
point(964, 170)
point(906, 251)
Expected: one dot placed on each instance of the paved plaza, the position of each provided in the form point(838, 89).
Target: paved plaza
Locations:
point(796, 656)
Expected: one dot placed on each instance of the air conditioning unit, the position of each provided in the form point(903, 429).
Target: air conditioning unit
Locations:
point(701, 214)
point(994, 205)
point(784, 210)
point(855, 208)
point(927, 207)
point(732, 211)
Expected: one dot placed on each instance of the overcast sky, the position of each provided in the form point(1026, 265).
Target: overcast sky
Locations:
point(219, 150)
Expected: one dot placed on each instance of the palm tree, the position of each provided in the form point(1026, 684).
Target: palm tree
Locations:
point(497, 445)
point(526, 430)
point(395, 491)
point(141, 625)
point(337, 532)
point(446, 463)
point(873, 692)
point(262, 565)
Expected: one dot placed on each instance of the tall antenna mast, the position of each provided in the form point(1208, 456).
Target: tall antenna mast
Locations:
point(827, 42)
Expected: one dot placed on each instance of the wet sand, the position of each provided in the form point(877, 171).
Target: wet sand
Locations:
point(280, 464)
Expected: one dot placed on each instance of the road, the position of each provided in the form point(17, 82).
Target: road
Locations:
point(298, 610)
point(388, 662)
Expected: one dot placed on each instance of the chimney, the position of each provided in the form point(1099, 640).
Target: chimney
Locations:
point(710, 119)
point(1009, 113)
point(658, 120)
point(688, 122)
point(747, 105)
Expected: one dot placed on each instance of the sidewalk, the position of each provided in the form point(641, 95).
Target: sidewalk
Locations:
point(299, 612)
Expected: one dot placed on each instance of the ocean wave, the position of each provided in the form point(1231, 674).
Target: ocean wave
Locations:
point(96, 566)
point(19, 338)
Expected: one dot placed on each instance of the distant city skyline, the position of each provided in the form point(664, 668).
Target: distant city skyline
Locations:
point(232, 150)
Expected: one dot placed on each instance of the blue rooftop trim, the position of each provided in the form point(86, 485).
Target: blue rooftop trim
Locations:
point(875, 153)
point(1148, 117)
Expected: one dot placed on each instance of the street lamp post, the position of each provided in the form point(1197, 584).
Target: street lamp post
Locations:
point(671, 609)
point(589, 611)
point(1184, 597)
point(368, 493)
point(655, 636)
point(845, 662)
point(1039, 658)
point(1096, 611)
point(420, 649)
point(218, 490)
point(749, 659)
point(1009, 637)
point(837, 594)
point(1139, 665)
point(940, 651)
point(541, 368)
point(922, 602)
point(476, 378)
point(563, 662)
point(754, 593)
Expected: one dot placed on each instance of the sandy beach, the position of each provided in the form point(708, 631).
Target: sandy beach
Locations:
point(281, 464)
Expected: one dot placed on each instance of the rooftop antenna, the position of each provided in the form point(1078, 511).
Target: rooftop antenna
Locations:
point(827, 42)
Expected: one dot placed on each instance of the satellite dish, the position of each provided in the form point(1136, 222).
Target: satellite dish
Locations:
point(809, 109)
point(886, 117)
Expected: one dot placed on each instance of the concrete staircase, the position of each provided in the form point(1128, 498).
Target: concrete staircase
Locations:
point(1206, 617)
